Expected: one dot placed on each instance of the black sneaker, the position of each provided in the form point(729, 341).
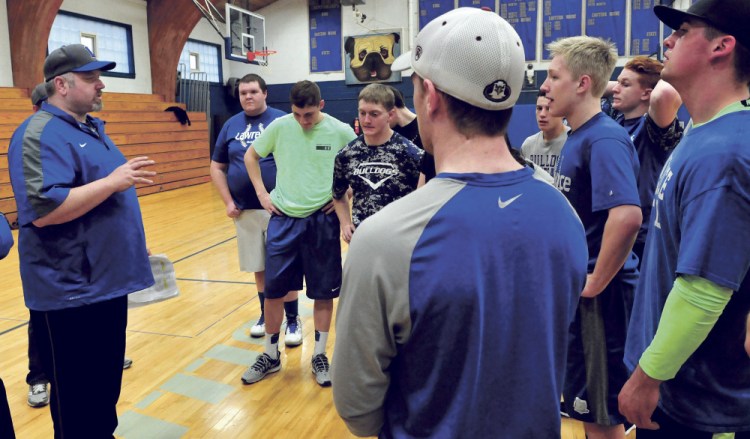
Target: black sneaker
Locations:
point(321, 370)
point(262, 367)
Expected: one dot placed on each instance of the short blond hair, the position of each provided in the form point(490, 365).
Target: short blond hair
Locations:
point(586, 55)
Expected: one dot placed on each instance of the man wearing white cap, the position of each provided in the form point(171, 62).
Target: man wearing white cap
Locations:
point(421, 352)
point(76, 202)
point(691, 375)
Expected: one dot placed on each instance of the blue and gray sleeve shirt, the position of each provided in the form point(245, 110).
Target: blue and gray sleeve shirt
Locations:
point(454, 310)
point(96, 257)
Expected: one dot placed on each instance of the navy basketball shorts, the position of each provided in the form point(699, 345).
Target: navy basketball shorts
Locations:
point(595, 370)
point(308, 248)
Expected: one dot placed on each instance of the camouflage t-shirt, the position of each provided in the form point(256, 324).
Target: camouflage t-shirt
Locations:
point(377, 174)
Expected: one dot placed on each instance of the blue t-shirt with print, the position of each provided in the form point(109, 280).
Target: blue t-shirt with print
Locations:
point(700, 226)
point(238, 133)
point(597, 171)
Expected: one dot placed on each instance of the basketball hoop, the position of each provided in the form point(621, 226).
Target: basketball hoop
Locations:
point(264, 53)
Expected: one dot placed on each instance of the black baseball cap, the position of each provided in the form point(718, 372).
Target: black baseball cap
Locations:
point(39, 94)
point(729, 16)
point(73, 58)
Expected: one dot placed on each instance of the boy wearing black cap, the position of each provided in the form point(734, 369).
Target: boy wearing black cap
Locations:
point(74, 189)
point(420, 351)
point(691, 374)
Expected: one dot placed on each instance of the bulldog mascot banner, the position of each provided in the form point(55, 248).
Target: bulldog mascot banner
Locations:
point(369, 57)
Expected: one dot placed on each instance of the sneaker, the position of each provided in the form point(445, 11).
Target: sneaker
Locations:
point(293, 334)
point(38, 395)
point(320, 369)
point(563, 412)
point(126, 363)
point(262, 367)
point(258, 329)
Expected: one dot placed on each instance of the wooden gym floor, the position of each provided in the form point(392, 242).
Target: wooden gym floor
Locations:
point(190, 352)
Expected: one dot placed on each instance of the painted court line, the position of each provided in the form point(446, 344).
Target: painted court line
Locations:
point(151, 397)
point(231, 354)
point(137, 426)
point(198, 388)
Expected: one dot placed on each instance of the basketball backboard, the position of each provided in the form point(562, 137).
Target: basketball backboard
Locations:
point(245, 32)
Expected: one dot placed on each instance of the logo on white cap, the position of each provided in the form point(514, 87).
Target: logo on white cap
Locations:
point(471, 54)
point(498, 91)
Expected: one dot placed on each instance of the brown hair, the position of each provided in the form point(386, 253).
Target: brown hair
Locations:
point(648, 70)
point(471, 120)
point(304, 94)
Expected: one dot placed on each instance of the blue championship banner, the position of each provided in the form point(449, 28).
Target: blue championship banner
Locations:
point(644, 28)
point(429, 9)
point(560, 19)
point(606, 19)
point(522, 15)
point(325, 36)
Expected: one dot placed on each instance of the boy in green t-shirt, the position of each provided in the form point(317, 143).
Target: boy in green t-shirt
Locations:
point(303, 232)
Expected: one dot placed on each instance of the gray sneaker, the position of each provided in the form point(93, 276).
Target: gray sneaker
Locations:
point(321, 370)
point(262, 367)
point(38, 395)
point(126, 363)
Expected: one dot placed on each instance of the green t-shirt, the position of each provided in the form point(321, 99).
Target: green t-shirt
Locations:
point(304, 161)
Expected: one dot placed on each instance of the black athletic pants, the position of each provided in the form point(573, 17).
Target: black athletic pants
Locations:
point(6, 423)
point(82, 350)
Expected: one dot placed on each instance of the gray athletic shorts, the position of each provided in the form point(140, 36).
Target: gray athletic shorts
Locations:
point(251, 228)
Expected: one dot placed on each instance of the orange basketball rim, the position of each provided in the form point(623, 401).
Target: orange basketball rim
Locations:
point(252, 55)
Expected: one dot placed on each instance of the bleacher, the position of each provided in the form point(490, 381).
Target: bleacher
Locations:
point(138, 125)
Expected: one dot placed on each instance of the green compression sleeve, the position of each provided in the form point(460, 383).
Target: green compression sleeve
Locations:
point(691, 310)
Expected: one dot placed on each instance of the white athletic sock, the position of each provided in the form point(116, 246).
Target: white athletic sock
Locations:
point(272, 345)
point(320, 343)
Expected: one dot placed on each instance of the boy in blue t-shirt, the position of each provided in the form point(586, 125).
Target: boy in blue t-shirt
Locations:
point(597, 173)
point(647, 108)
point(691, 375)
point(230, 177)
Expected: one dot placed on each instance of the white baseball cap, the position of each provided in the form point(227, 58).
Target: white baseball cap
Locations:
point(471, 54)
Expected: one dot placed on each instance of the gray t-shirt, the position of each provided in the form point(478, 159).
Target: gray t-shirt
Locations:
point(542, 153)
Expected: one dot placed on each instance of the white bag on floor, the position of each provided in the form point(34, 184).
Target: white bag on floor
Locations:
point(165, 283)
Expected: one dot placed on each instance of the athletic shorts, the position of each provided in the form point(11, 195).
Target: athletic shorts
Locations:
point(670, 428)
point(251, 228)
point(307, 247)
point(595, 370)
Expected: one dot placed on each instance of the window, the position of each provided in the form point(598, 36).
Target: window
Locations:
point(195, 65)
point(203, 58)
point(89, 40)
point(109, 40)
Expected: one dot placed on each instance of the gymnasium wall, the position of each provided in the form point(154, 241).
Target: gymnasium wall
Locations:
point(133, 13)
point(6, 72)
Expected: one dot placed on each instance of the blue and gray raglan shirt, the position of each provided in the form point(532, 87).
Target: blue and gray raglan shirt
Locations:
point(96, 257)
point(454, 310)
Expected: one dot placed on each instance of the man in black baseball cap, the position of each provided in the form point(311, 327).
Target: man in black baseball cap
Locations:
point(72, 76)
point(73, 58)
point(691, 375)
point(728, 16)
point(73, 188)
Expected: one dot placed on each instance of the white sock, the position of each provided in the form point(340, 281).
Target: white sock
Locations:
point(272, 345)
point(320, 343)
